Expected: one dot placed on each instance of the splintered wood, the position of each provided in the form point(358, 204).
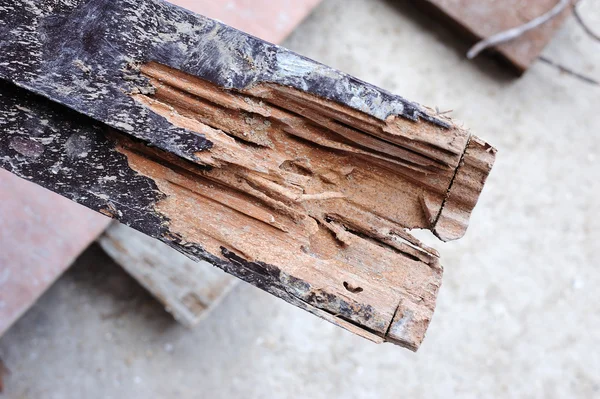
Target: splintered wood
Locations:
point(191, 290)
point(319, 189)
point(288, 174)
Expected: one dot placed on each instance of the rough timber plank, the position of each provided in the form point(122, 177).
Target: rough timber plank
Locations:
point(30, 275)
point(285, 173)
point(484, 18)
point(190, 290)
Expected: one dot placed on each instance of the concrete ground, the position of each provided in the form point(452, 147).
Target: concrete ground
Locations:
point(518, 314)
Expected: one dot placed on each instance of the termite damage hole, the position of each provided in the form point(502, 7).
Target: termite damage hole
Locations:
point(352, 289)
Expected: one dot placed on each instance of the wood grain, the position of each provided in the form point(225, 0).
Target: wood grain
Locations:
point(190, 290)
point(285, 173)
point(322, 191)
point(32, 219)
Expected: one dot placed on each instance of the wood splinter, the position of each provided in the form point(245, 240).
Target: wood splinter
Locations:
point(285, 173)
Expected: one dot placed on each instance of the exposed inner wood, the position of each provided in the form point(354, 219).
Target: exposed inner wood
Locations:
point(324, 192)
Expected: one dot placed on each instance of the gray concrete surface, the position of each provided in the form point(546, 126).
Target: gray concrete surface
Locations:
point(519, 311)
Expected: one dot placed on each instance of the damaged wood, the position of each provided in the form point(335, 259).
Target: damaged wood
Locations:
point(190, 290)
point(290, 175)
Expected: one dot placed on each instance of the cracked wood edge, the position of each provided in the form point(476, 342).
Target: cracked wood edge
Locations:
point(274, 159)
point(190, 290)
point(467, 184)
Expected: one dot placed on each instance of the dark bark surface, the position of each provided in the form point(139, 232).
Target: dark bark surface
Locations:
point(83, 54)
point(69, 153)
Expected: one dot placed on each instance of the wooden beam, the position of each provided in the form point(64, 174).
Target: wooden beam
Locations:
point(290, 175)
point(189, 290)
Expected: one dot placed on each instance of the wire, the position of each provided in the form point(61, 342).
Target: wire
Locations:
point(514, 33)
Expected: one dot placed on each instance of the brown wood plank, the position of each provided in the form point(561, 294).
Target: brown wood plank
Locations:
point(32, 219)
point(288, 174)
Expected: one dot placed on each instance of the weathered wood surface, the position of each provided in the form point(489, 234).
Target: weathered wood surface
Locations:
point(39, 245)
point(480, 19)
point(189, 290)
point(285, 173)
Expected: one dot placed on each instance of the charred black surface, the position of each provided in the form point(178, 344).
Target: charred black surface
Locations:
point(67, 72)
point(80, 54)
point(69, 153)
